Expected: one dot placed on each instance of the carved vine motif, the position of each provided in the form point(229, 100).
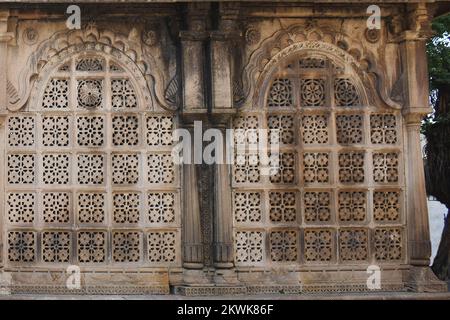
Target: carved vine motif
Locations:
point(296, 39)
point(126, 49)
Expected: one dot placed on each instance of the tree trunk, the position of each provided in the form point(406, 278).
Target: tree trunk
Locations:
point(441, 262)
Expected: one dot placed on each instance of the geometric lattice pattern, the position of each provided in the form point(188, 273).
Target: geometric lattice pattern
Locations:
point(351, 167)
point(285, 171)
point(343, 194)
point(125, 168)
point(286, 126)
point(386, 205)
point(283, 245)
point(316, 167)
point(383, 129)
point(385, 167)
point(91, 207)
point(281, 93)
point(317, 206)
point(353, 244)
point(21, 131)
point(352, 206)
point(89, 172)
point(388, 244)
point(56, 246)
point(126, 246)
point(312, 92)
point(349, 129)
point(247, 169)
point(56, 207)
point(314, 129)
point(125, 130)
point(56, 95)
point(162, 246)
point(126, 207)
point(161, 207)
point(21, 168)
point(21, 207)
point(248, 207)
point(91, 246)
point(282, 206)
point(90, 131)
point(159, 131)
point(249, 246)
point(21, 246)
point(161, 168)
point(345, 93)
point(55, 131)
point(56, 169)
point(319, 245)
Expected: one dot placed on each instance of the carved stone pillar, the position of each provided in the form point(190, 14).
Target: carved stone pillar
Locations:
point(5, 37)
point(223, 214)
point(221, 59)
point(192, 234)
point(193, 59)
point(222, 109)
point(194, 105)
point(413, 50)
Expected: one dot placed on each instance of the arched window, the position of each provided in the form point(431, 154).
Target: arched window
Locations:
point(90, 179)
point(337, 197)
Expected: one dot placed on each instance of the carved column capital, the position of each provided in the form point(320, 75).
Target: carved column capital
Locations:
point(415, 118)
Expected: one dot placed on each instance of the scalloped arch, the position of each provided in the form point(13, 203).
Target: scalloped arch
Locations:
point(97, 50)
point(296, 39)
point(64, 43)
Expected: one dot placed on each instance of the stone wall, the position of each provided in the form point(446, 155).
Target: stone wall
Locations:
point(87, 122)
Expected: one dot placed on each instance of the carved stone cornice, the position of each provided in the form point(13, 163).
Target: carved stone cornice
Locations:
point(416, 26)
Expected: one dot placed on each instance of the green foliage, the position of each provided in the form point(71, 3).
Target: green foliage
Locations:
point(439, 54)
point(436, 127)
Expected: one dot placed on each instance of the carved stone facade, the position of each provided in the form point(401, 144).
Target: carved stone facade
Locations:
point(88, 176)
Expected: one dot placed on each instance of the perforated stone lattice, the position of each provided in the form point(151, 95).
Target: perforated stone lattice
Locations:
point(89, 173)
point(328, 200)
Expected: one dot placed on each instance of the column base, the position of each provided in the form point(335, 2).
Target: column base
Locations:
point(226, 277)
point(223, 265)
point(195, 277)
point(5, 283)
point(422, 279)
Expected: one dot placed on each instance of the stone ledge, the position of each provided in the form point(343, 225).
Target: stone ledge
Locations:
point(354, 296)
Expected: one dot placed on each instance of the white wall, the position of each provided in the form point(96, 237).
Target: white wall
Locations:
point(436, 213)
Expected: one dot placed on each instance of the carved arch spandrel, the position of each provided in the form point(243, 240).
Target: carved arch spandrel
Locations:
point(338, 47)
point(126, 49)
